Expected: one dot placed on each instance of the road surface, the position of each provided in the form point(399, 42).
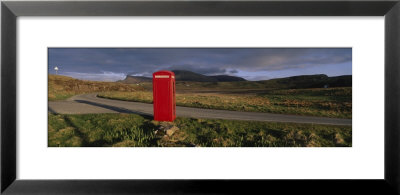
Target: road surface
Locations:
point(90, 103)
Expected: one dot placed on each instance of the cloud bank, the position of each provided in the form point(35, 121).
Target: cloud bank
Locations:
point(112, 63)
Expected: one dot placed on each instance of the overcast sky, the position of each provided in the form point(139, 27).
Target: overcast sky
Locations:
point(111, 64)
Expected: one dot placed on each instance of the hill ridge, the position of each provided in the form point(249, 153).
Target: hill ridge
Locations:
point(185, 75)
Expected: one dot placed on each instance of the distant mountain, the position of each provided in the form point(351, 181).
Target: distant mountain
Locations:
point(294, 82)
point(309, 81)
point(135, 79)
point(340, 81)
point(227, 78)
point(185, 75)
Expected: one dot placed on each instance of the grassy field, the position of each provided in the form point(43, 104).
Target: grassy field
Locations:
point(259, 96)
point(130, 130)
point(329, 102)
point(62, 87)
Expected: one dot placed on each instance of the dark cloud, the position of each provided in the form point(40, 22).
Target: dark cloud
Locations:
point(207, 70)
point(105, 76)
point(233, 71)
point(209, 61)
point(279, 59)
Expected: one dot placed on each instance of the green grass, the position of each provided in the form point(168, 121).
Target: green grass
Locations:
point(331, 102)
point(131, 130)
point(100, 130)
point(138, 96)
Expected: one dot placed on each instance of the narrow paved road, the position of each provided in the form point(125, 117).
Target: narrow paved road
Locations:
point(89, 103)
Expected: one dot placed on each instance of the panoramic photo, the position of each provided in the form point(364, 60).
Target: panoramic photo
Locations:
point(199, 97)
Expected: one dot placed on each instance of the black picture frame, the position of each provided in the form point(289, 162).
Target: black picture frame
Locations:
point(10, 10)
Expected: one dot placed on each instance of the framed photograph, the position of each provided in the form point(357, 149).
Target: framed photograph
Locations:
point(223, 97)
point(219, 97)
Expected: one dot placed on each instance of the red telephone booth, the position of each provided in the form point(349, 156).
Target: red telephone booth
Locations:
point(164, 96)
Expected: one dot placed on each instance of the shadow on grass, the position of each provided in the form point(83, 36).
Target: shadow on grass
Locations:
point(101, 142)
point(77, 131)
point(52, 111)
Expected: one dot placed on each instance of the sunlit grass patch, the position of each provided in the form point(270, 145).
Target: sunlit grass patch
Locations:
point(63, 87)
point(137, 96)
point(226, 133)
point(331, 102)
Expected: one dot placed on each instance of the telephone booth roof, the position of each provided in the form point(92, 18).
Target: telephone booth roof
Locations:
point(164, 72)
